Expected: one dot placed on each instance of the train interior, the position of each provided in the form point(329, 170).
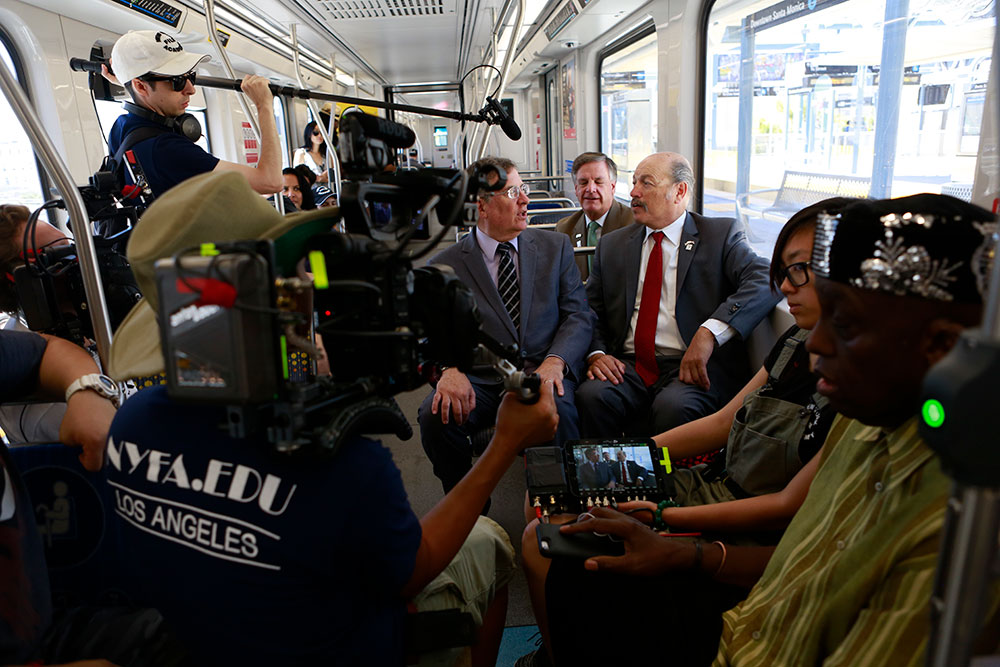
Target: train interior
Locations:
point(777, 104)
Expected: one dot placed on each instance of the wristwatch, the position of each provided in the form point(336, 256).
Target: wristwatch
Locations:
point(97, 382)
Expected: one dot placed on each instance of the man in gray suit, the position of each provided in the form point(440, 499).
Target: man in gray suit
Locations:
point(594, 179)
point(676, 296)
point(529, 292)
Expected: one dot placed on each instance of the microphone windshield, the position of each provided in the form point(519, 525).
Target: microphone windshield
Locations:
point(510, 128)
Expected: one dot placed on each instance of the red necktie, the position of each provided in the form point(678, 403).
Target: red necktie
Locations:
point(649, 308)
point(623, 473)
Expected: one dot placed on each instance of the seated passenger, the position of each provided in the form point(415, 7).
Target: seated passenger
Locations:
point(260, 558)
point(529, 292)
point(33, 422)
point(773, 427)
point(594, 178)
point(676, 296)
point(298, 187)
point(898, 280)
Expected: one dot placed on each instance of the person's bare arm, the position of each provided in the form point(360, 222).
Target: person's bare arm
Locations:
point(446, 526)
point(711, 431)
point(265, 178)
point(88, 415)
point(648, 553)
point(771, 511)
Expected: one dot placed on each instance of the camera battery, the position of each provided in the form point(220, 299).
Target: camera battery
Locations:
point(218, 328)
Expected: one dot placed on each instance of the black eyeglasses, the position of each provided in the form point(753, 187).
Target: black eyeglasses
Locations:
point(178, 82)
point(797, 273)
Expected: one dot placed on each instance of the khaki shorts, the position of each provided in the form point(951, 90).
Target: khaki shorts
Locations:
point(483, 565)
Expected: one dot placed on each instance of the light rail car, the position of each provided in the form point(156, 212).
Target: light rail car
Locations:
point(777, 105)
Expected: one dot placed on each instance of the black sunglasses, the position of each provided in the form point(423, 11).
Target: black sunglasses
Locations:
point(178, 82)
point(797, 273)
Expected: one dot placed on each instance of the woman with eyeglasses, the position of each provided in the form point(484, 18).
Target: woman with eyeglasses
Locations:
point(773, 428)
point(312, 153)
point(772, 431)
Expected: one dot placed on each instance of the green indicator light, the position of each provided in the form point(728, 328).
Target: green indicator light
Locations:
point(318, 265)
point(666, 460)
point(209, 250)
point(284, 357)
point(933, 413)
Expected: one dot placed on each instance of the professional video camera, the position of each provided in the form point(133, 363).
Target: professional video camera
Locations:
point(237, 317)
point(49, 284)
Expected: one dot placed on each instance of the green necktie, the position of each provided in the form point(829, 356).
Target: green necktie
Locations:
point(593, 230)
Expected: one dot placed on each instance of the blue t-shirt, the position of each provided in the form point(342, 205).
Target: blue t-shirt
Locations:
point(25, 601)
point(167, 159)
point(256, 558)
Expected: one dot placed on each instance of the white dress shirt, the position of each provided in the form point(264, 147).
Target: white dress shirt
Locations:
point(488, 246)
point(668, 336)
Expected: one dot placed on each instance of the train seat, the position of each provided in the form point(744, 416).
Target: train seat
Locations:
point(74, 510)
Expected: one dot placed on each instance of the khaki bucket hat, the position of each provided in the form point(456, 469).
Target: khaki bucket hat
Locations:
point(215, 207)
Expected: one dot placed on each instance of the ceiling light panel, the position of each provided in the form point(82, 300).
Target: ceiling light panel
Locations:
point(348, 10)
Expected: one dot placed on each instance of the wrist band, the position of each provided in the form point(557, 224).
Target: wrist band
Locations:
point(659, 524)
point(697, 555)
point(722, 563)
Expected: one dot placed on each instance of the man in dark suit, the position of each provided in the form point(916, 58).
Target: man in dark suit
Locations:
point(594, 179)
point(529, 292)
point(594, 473)
point(630, 473)
point(676, 296)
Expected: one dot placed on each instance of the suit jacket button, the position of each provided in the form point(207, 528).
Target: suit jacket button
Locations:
point(524, 354)
point(734, 308)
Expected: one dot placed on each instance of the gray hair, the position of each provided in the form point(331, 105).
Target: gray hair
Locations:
point(681, 172)
point(587, 158)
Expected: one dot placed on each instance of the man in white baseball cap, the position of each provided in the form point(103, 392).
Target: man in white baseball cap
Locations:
point(160, 76)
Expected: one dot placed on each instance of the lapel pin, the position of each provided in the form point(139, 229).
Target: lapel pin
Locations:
point(688, 245)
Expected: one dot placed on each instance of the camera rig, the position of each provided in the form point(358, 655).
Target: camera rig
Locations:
point(237, 319)
point(49, 283)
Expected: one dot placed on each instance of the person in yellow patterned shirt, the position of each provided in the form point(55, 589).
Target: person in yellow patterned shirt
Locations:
point(851, 579)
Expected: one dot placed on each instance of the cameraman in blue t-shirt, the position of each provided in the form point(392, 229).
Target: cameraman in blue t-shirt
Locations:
point(256, 557)
point(160, 76)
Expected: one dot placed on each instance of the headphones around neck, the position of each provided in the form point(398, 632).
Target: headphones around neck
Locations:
point(185, 125)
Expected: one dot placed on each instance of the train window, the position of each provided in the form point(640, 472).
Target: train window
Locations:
point(795, 100)
point(282, 125)
point(20, 177)
point(628, 102)
point(108, 113)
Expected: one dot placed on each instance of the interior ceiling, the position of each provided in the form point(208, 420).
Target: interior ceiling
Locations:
point(409, 41)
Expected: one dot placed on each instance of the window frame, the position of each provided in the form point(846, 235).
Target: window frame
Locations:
point(641, 31)
point(22, 79)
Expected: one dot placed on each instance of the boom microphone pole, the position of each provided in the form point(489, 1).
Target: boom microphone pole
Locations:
point(94, 66)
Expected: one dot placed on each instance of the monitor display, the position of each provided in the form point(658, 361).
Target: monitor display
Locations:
point(440, 136)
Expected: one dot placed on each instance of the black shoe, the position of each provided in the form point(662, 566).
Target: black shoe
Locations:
point(537, 658)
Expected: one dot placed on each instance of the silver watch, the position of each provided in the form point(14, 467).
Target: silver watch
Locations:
point(99, 383)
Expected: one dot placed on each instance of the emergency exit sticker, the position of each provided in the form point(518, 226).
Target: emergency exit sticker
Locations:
point(250, 146)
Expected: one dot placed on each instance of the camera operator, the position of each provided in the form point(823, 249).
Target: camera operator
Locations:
point(160, 77)
point(257, 557)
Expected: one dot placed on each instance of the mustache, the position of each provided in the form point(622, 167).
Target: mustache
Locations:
point(636, 202)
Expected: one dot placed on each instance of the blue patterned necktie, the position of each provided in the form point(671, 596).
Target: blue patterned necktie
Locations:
point(507, 284)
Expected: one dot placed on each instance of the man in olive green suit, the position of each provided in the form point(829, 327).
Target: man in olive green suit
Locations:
point(594, 177)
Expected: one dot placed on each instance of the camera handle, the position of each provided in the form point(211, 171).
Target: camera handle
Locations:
point(500, 356)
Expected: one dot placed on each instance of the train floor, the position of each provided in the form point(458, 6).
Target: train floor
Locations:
point(507, 509)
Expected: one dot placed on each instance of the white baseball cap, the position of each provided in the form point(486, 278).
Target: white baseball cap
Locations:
point(140, 52)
